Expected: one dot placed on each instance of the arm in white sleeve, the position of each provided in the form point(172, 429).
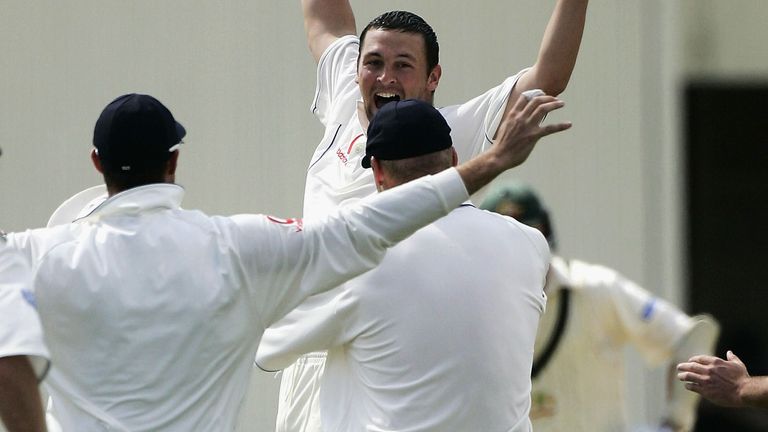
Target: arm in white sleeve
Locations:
point(20, 332)
point(33, 244)
point(318, 324)
point(663, 333)
point(288, 263)
point(653, 325)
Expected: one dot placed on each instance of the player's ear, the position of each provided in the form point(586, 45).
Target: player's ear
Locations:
point(172, 162)
point(434, 78)
point(96, 161)
point(378, 174)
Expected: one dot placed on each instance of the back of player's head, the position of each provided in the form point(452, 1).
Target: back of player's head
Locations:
point(410, 138)
point(134, 137)
point(520, 201)
point(407, 22)
point(406, 129)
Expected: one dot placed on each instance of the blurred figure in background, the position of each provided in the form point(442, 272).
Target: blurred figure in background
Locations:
point(592, 313)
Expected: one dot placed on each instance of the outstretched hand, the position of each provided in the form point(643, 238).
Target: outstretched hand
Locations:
point(521, 128)
point(518, 133)
point(717, 380)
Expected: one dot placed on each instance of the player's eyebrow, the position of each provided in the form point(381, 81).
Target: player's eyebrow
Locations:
point(405, 55)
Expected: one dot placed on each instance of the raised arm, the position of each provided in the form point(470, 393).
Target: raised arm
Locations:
point(357, 236)
point(325, 21)
point(558, 51)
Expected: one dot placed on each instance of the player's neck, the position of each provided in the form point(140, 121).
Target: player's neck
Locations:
point(362, 116)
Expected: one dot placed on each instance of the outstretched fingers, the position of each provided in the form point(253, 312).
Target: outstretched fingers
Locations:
point(704, 359)
point(692, 372)
point(554, 128)
point(535, 110)
point(521, 128)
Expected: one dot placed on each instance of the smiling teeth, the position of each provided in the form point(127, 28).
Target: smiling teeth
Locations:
point(386, 95)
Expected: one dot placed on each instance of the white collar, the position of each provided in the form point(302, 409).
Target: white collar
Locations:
point(139, 200)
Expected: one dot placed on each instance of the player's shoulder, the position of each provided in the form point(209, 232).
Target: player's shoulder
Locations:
point(510, 222)
point(513, 228)
point(339, 50)
point(587, 276)
point(9, 256)
point(342, 42)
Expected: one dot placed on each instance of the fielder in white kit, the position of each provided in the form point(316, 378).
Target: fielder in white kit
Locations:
point(593, 312)
point(421, 342)
point(396, 57)
point(153, 313)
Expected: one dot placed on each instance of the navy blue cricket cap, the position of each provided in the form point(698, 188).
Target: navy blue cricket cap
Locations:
point(405, 129)
point(135, 130)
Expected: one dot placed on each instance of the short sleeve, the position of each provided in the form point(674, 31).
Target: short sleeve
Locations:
point(336, 72)
point(318, 324)
point(474, 123)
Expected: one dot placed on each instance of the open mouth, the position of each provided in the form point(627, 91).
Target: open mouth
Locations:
point(380, 99)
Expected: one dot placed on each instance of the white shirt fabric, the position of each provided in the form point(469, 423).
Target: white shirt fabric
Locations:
point(20, 331)
point(446, 345)
point(153, 313)
point(582, 388)
point(336, 178)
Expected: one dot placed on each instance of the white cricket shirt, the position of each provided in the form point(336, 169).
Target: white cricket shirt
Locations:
point(447, 345)
point(582, 388)
point(335, 178)
point(20, 330)
point(153, 313)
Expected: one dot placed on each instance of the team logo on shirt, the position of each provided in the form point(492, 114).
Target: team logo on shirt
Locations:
point(648, 310)
point(355, 146)
point(297, 223)
point(342, 156)
point(29, 297)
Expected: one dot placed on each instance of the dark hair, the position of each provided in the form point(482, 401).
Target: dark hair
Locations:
point(405, 170)
point(150, 172)
point(548, 230)
point(407, 22)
